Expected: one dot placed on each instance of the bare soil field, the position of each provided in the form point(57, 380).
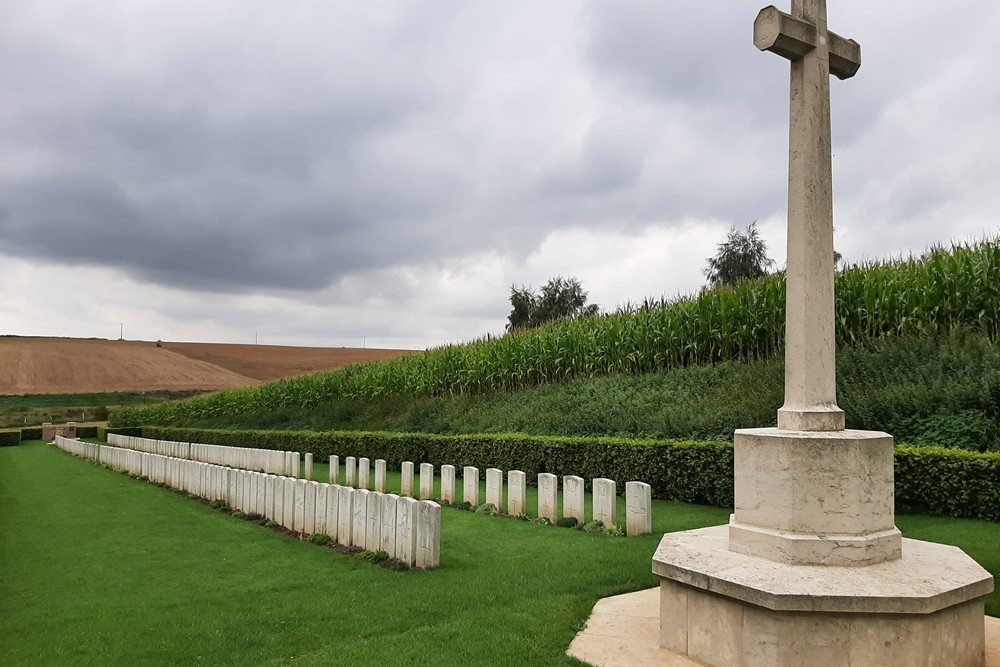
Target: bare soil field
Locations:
point(273, 362)
point(69, 366)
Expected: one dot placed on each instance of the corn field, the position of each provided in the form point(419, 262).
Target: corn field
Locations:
point(942, 290)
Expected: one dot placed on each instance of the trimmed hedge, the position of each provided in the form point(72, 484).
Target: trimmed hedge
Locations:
point(10, 438)
point(931, 480)
point(692, 472)
point(32, 433)
point(102, 432)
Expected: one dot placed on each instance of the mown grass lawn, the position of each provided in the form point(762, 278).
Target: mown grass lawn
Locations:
point(97, 568)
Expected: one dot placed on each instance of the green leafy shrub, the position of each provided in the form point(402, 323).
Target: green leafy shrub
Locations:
point(593, 527)
point(927, 479)
point(239, 515)
point(372, 556)
point(487, 509)
point(464, 505)
point(567, 522)
point(33, 433)
point(614, 530)
point(320, 539)
point(219, 504)
point(271, 523)
point(254, 516)
point(10, 438)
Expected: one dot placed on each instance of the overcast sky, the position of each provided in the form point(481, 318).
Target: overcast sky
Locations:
point(381, 172)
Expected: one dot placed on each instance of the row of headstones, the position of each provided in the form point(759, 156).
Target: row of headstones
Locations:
point(638, 495)
point(265, 460)
point(405, 528)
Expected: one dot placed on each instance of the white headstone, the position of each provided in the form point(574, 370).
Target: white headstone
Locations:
point(428, 534)
point(333, 511)
point(638, 509)
point(406, 479)
point(494, 488)
point(345, 515)
point(359, 529)
point(516, 492)
point(448, 484)
point(296, 464)
point(277, 500)
point(321, 505)
point(380, 475)
point(309, 518)
point(470, 485)
point(548, 501)
point(309, 466)
point(260, 506)
point(351, 467)
point(573, 497)
point(288, 517)
point(300, 505)
point(334, 469)
point(426, 481)
point(605, 501)
point(387, 540)
point(373, 527)
point(406, 530)
point(364, 466)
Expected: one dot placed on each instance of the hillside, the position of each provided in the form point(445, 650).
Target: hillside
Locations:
point(70, 366)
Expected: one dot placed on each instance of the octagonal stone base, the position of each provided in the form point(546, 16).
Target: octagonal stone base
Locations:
point(727, 609)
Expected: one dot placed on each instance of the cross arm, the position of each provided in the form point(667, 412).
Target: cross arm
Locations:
point(792, 38)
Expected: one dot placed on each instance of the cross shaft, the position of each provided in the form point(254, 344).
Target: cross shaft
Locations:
point(810, 372)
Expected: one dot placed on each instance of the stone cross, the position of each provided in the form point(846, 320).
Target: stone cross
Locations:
point(815, 53)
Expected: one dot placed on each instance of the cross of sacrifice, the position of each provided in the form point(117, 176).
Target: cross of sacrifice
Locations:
point(815, 53)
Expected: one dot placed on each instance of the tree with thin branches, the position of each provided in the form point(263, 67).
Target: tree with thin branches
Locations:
point(742, 256)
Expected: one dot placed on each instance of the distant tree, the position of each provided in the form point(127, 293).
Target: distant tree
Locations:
point(559, 298)
point(742, 256)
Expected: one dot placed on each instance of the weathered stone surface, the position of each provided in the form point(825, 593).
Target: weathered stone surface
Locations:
point(406, 479)
point(345, 515)
point(516, 492)
point(350, 470)
point(299, 521)
point(573, 497)
point(296, 464)
point(426, 481)
point(428, 534)
point(288, 517)
point(605, 501)
point(548, 501)
point(309, 507)
point(333, 511)
point(319, 520)
point(334, 469)
point(470, 485)
point(380, 475)
point(359, 529)
point(814, 497)
point(448, 484)
point(364, 467)
point(373, 527)
point(309, 466)
point(406, 530)
point(638, 509)
point(387, 540)
point(494, 488)
point(260, 505)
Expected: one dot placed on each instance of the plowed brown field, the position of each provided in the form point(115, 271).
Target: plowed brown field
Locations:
point(73, 366)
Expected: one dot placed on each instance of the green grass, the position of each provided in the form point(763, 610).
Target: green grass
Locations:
point(97, 568)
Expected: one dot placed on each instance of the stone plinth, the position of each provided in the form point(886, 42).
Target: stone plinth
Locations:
point(728, 609)
point(814, 497)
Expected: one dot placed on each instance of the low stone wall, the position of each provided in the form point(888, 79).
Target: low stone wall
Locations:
point(263, 460)
point(406, 529)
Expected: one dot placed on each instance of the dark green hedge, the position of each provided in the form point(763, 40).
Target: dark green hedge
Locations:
point(10, 438)
point(102, 432)
point(693, 472)
point(953, 482)
point(34, 433)
point(933, 480)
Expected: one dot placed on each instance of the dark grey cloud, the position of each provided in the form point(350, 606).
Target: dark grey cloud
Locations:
point(253, 146)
